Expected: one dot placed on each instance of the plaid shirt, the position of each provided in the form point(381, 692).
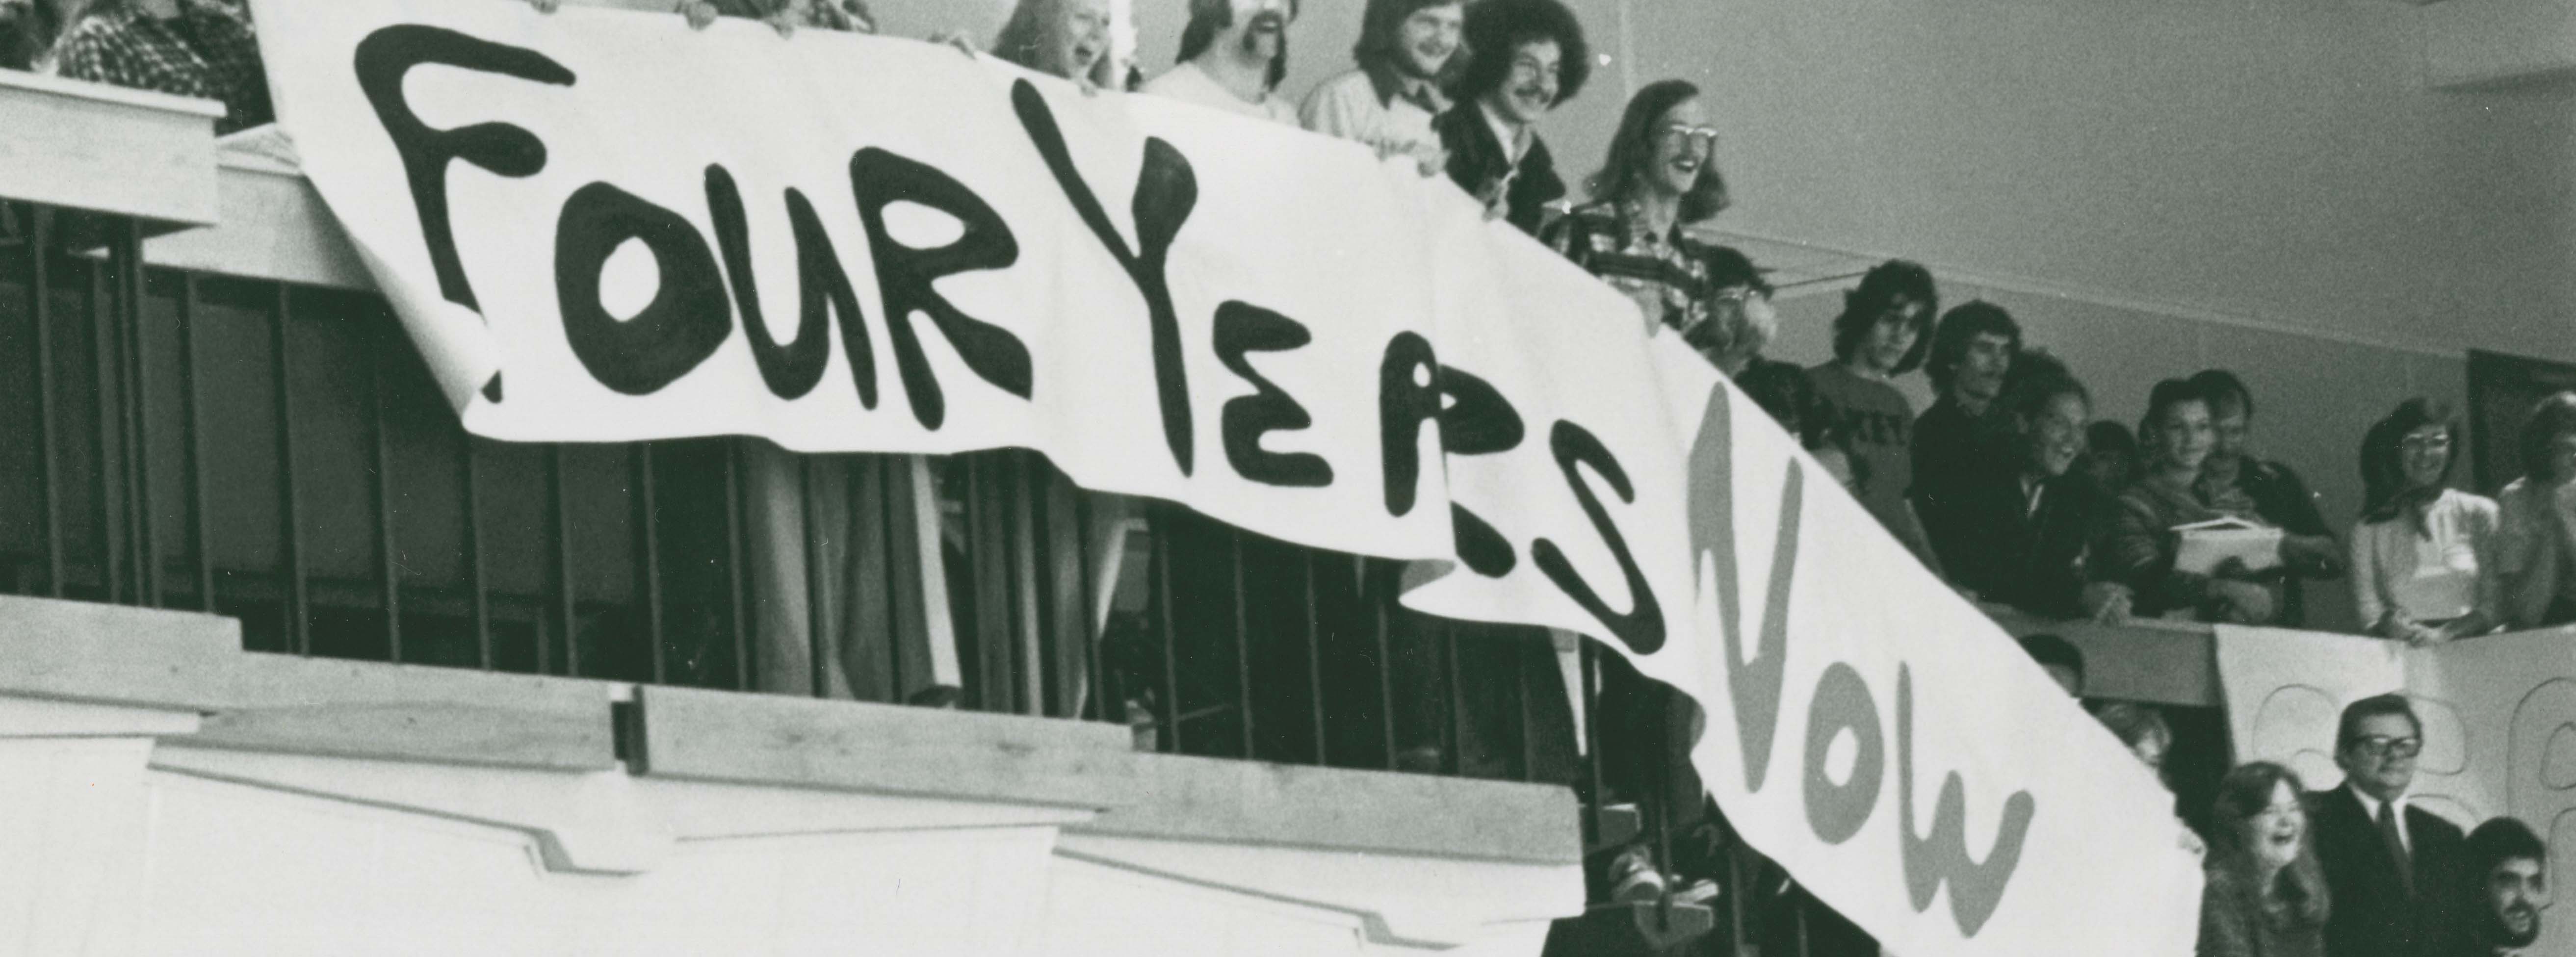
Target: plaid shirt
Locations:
point(206, 51)
point(1672, 271)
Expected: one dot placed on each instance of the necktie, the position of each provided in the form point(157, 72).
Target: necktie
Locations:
point(2396, 846)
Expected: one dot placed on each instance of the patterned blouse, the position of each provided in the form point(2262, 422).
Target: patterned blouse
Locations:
point(1669, 275)
point(206, 51)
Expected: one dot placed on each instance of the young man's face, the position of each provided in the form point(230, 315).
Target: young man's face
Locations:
point(1893, 335)
point(1260, 28)
point(1530, 90)
point(2230, 428)
point(1428, 38)
point(2057, 435)
point(2381, 759)
point(1980, 374)
point(1683, 146)
point(2514, 890)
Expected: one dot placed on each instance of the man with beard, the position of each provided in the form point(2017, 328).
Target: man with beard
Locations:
point(2509, 867)
point(2236, 481)
point(1406, 50)
point(1523, 58)
point(1233, 55)
point(1973, 348)
point(2393, 870)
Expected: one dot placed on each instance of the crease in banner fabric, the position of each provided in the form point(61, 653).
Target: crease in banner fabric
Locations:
point(603, 226)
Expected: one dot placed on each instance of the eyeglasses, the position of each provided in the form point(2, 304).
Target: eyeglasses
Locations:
point(2377, 746)
point(1696, 135)
point(1531, 68)
point(2425, 443)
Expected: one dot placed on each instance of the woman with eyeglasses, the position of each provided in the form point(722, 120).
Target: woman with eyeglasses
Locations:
point(2420, 551)
point(2264, 894)
point(1660, 178)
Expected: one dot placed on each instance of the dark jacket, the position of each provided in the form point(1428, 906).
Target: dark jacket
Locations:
point(1952, 452)
point(2283, 499)
point(1477, 160)
point(1994, 544)
point(2374, 915)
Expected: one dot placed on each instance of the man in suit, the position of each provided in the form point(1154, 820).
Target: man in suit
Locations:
point(2393, 870)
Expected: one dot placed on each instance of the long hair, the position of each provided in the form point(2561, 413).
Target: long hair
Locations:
point(1960, 327)
point(1033, 24)
point(1632, 150)
point(2297, 896)
point(2384, 493)
point(2553, 417)
point(1496, 29)
point(1381, 43)
point(1881, 287)
point(1210, 17)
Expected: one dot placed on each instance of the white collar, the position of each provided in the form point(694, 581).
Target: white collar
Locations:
point(1514, 144)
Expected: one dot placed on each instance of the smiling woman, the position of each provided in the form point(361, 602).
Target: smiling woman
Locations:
point(2265, 892)
point(1066, 38)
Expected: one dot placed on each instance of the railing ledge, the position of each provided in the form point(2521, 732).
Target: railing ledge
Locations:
point(106, 149)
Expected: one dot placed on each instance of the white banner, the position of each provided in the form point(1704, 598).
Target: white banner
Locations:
point(2499, 719)
point(604, 226)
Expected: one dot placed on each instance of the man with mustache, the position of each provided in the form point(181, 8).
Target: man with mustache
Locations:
point(2508, 866)
point(1523, 58)
point(1407, 51)
point(2392, 870)
point(1233, 55)
point(1973, 349)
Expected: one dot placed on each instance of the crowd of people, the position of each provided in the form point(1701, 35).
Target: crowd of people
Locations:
point(2006, 486)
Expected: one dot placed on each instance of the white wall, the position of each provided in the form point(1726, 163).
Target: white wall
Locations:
point(2273, 159)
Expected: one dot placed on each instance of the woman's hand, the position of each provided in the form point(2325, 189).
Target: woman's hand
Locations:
point(699, 13)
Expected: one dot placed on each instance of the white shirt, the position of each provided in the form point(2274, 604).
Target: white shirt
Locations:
point(2419, 578)
point(1515, 144)
point(1347, 107)
point(1190, 84)
point(2370, 807)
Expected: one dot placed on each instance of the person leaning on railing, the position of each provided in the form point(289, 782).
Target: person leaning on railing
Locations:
point(2017, 527)
point(1524, 59)
point(2139, 546)
point(2235, 479)
point(198, 48)
point(1659, 179)
point(2422, 552)
point(2536, 543)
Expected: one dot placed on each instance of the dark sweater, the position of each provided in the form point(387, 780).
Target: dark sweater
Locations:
point(1994, 543)
point(1477, 160)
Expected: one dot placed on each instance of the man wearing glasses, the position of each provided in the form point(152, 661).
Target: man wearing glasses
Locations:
point(2393, 869)
point(1658, 181)
point(1523, 58)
